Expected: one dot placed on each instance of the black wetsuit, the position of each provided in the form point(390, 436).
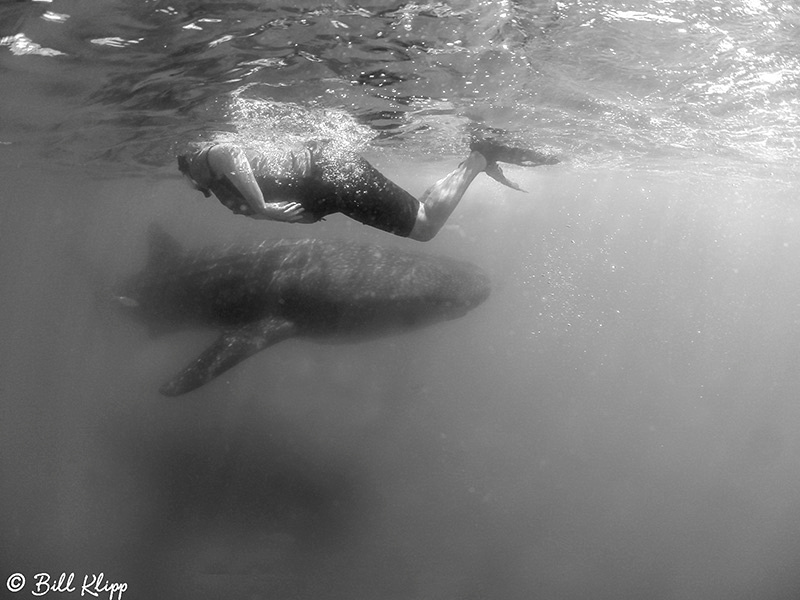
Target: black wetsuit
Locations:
point(326, 180)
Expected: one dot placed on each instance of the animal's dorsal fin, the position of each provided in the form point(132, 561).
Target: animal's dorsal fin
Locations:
point(230, 348)
point(162, 248)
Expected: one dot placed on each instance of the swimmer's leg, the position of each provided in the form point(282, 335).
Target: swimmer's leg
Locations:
point(441, 199)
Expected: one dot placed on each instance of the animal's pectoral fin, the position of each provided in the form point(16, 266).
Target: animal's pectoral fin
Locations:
point(230, 348)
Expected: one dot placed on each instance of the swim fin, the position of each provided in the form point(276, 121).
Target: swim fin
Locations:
point(494, 171)
point(488, 141)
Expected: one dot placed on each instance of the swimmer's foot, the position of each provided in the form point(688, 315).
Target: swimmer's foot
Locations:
point(486, 141)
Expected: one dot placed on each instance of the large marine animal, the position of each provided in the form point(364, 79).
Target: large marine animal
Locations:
point(261, 294)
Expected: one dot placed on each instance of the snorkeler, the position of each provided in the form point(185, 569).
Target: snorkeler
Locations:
point(306, 184)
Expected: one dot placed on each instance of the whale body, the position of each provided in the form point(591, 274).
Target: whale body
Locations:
point(261, 294)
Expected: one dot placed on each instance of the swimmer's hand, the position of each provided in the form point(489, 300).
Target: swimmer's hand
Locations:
point(288, 212)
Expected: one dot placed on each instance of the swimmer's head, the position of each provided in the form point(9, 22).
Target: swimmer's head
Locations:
point(194, 166)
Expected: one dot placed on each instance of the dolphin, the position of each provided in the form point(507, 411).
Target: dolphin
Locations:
point(258, 295)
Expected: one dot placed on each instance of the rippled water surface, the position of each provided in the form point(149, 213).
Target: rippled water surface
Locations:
point(618, 421)
point(698, 86)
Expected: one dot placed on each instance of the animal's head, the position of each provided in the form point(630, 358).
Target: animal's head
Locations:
point(461, 289)
point(440, 289)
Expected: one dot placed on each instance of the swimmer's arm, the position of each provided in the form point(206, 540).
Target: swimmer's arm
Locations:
point(230, 161)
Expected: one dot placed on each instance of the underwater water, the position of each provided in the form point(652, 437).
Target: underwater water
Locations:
point(620, 419)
